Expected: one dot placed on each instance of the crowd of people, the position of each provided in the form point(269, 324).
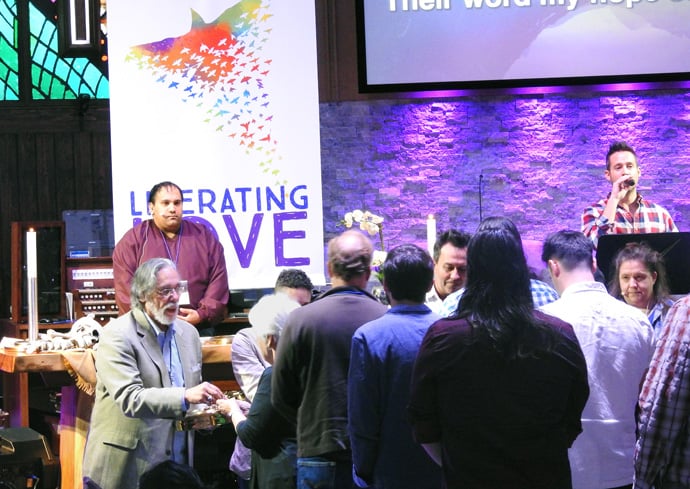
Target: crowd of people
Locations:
point(476, 374)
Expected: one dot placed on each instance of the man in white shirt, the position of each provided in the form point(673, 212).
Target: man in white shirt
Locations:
point(450, 267)
point(617, 341)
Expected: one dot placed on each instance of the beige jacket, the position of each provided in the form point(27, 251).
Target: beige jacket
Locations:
point(132, 422)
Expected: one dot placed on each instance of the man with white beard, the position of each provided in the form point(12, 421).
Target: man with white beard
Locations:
point(148, 375)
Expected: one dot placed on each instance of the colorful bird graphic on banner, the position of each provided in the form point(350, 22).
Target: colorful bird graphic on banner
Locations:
point(219, 67)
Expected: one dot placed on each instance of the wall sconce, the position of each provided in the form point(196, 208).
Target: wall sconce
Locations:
point(78, 28)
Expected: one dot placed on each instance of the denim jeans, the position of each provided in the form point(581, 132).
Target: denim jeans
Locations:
point(321, 473)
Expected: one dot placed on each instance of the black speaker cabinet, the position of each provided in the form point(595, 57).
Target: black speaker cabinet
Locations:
point(26, 461)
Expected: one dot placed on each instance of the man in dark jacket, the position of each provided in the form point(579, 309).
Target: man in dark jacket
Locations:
point(310, 374)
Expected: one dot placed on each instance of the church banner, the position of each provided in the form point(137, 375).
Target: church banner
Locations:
point(221, 98)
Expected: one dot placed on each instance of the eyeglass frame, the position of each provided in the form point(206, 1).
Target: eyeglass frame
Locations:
point(167, 292)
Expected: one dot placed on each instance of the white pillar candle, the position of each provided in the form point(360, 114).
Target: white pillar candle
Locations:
point(31, 264)
point(431, 233)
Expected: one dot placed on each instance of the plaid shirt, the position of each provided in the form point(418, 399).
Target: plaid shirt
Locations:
point(542, 294)
point(649, 218)
point(662, 453)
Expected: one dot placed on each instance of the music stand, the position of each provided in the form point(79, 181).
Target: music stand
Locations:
point(674, 247)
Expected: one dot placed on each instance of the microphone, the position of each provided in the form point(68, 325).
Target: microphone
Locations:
point(630, 182)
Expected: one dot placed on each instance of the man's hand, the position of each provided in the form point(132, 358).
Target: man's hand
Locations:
point(189, 315)
point(205, 393)
point(621, 187)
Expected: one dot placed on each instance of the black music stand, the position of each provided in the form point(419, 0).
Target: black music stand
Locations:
point(674, 247)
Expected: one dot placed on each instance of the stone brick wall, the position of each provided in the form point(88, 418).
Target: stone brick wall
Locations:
point(540, 158)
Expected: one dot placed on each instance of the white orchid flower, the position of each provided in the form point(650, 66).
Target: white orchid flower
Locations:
point(368, 222)
point(376, 219)
point(378, 258)
point(370, 228)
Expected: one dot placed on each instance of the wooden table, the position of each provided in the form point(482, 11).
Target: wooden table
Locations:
point(17, 366)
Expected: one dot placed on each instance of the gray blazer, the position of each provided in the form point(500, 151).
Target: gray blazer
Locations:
point(132, 422)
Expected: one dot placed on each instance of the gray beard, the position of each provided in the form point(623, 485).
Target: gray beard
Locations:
point(160, 318)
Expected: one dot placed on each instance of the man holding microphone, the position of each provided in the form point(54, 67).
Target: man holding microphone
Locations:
point(624, 211)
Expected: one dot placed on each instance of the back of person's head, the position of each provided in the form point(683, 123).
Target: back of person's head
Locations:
point(293, 278)
point(571, 248)
point(617, 147)
point(458, 239)
point(170, 475)
point(652, 260)
point(145, 280)
point(295, 283)
point(153, 193)
point(497, 300)
point(349, 255)
point(269, 314)
point(496, 262)
point(500, 223)
point(504, 230)
point(408, 273)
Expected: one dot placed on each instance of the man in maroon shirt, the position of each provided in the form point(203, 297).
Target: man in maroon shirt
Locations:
point(195, 250)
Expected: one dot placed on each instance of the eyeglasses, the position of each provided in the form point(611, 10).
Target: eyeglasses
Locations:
point(167, 292)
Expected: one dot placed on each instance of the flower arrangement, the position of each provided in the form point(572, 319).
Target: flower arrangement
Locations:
point(373, 225)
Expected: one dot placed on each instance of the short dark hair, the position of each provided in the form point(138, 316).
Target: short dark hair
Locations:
point(293, 278)
point(459, 239)
point(572, 248)
point(171, 475)
point(653, 262)
point(408, 273)
point(617, 147)
point(157, 188)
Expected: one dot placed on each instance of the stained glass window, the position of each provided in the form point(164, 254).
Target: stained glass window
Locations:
point(52, 76)
point(9, 59)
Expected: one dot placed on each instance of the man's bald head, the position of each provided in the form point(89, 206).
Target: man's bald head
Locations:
point(349, 258)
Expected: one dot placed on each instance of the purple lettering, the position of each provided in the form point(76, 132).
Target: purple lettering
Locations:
point(244, 191)
point(203, 222)
point(204, 203)
point(185, 193)
point(132, 205)
point(281, 235)
point(244, 253)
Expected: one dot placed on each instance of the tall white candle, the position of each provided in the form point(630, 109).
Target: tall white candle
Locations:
point(31, 263)
point(431, 233)
point(32, 284)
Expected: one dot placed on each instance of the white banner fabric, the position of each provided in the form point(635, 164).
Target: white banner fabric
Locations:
point(221, 97)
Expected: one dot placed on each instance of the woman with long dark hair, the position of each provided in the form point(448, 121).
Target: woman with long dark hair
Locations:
point(498, 390)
